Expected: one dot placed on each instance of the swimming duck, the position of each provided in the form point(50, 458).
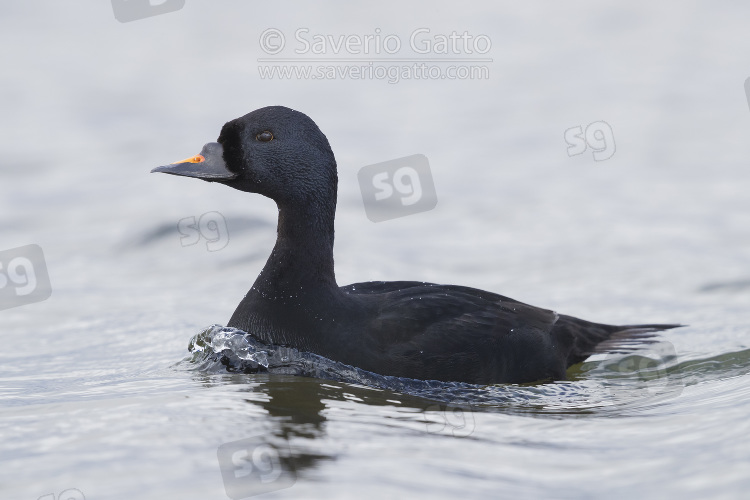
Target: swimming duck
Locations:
point(401, 328)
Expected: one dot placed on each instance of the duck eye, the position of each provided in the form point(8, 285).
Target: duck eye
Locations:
point(264, 136)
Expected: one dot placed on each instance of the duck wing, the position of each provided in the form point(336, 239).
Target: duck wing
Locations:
point(455, 333)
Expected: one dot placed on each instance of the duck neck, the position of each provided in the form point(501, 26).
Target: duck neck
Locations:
point(301, 263)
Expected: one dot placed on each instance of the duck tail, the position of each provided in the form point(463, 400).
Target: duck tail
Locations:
point(627, 338)
point(586, 338)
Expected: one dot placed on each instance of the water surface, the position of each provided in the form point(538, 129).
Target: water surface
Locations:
point(99, 392)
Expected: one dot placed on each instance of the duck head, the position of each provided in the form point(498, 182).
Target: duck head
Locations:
point(274, 151)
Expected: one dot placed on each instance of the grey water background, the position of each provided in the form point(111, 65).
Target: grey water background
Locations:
point(95, 391)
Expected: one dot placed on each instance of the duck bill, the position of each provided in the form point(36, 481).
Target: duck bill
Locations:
point(209, 165)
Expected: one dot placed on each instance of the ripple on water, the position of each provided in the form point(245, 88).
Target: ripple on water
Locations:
point(618, 383)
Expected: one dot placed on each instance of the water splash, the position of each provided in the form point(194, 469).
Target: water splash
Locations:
point(630, 382)
point(219, 349)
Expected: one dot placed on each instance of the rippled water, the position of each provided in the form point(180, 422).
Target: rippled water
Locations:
point(620, 381)
point(115, 387)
